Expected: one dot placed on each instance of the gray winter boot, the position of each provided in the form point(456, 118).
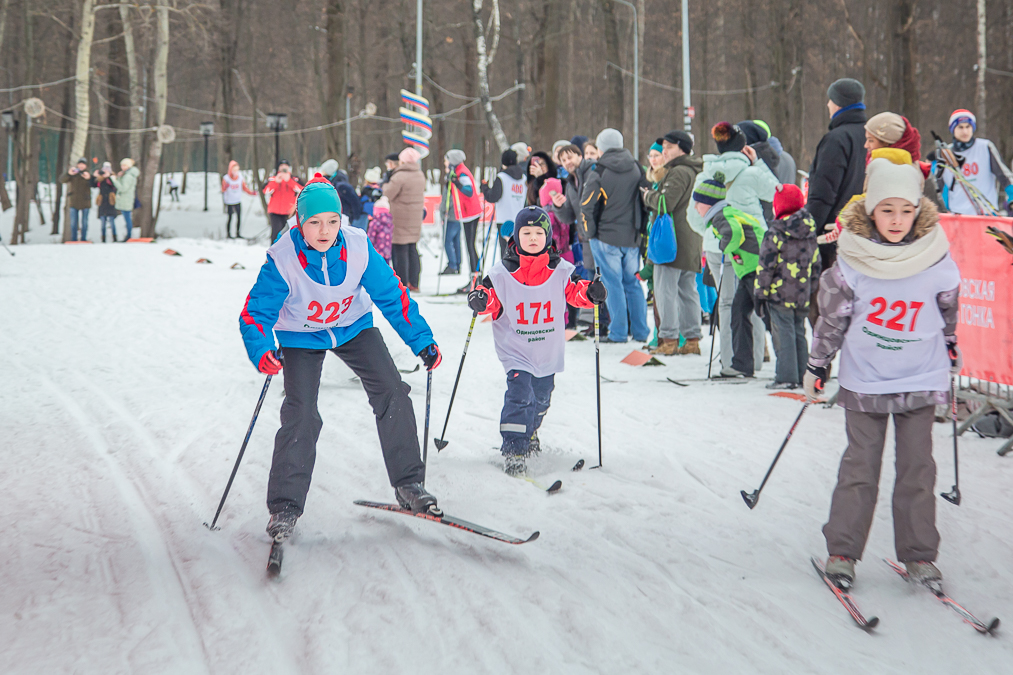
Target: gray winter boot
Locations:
point(416, 499)
point(841, 570)
point(281, 524)
point(924, 572)
point(514, 465)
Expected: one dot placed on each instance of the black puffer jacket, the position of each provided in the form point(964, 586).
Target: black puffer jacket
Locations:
point(611, 209)
point(838, 169)
point(789, 261)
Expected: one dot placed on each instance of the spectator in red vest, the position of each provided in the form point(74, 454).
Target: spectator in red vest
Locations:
point(460, 204)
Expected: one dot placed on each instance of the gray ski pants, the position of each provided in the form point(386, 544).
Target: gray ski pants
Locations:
point(295, 445)
point(678, 303)
point(914, 500)
point(726, 294)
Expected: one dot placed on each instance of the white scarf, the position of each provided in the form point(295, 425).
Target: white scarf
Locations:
point(884, 261)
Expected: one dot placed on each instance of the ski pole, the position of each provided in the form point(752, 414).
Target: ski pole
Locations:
point(597, 375)
point(752, 498)
point(425, 434)
point(5, 247)
point(441, 442)
point(235, 469)
point(721, 281)
point(953, 496)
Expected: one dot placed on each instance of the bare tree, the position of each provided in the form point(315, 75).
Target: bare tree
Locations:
point(483, 71)
point(161, 86)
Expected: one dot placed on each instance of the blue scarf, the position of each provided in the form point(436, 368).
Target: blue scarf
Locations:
point(853, 106)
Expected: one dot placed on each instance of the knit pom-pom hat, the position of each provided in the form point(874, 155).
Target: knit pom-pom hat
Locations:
point(960, 115)
point(787, 200)
point(319, 196)
point(728, 136)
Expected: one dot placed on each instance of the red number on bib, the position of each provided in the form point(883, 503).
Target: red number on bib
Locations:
point(548, 312)
point(537, 306)
point(520, 310)
point(346, 303)
point(335, 309)
point(915, 308)
point(895, 323)
point(874, 317)
point(317, 310)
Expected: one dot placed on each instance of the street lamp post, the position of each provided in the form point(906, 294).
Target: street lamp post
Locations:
point(207, 129)
point(11, 125)
point(687, 121)
point(277, 122)
point(636, 80)
point(418, 48)
point(348, 125)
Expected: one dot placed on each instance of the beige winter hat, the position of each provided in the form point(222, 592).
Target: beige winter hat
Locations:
point(887, 180)
point(887, 127)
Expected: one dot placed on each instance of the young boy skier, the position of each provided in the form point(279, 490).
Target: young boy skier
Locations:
point(315, 294)
point(739, 235)
point(526, 293)
point(789, 261)
point(890, 304)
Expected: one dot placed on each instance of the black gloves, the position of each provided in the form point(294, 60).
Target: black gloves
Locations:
point(596, 291)
point(478, 299)
point(431, 356)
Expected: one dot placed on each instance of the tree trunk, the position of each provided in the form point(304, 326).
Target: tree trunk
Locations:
point(483, 76)
point(335, 77)
point(615, 77)
point(160, 80)
point(910, 101)
point(117, 77)
point(136, 116)
point(519, 77)
point(232, 14)
point(980, 113)
point(549, 112)
point(82, 108)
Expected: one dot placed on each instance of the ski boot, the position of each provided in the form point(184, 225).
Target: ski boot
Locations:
point(414, 497)
point(924, 572)
point(281, 524)
point(841, 571)
point(534, 445)
point(515, 465)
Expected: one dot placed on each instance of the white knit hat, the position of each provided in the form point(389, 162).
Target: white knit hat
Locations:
point(887, 180)
point(522, 150)
point(609, 139)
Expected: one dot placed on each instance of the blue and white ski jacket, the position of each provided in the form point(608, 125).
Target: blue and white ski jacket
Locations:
point(263, 304)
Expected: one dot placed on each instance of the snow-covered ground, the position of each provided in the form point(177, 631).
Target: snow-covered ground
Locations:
point(125, 396)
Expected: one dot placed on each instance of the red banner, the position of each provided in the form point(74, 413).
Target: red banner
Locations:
point(985, 328)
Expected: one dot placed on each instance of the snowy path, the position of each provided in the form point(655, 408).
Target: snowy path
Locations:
point(126, 393)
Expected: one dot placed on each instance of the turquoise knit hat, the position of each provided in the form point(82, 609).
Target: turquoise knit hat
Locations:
point(319, 196)
point(657, 147)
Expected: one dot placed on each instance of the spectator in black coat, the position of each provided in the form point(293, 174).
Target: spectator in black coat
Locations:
point(838, 169)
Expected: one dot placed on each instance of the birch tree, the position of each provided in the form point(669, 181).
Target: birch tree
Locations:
point(82, 104)
point(161, 85)
point(136, 120)
point(483, 72)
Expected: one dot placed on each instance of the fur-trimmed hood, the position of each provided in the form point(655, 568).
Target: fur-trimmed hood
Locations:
point(854, 219)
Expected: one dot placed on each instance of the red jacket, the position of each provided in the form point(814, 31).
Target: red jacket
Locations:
point(465, 207)
point(283, 194)
point(533, 270)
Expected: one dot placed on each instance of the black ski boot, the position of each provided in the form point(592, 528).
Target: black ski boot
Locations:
point(281, 524)
point(416, 499)
point(534, 446)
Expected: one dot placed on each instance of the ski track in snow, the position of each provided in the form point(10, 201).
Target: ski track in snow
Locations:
point(126, 396)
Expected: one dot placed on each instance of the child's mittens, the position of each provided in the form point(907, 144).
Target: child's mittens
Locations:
point(596, 291)
point(813, 381)
point(431, 356)
point(269, 364)
point(478, 299)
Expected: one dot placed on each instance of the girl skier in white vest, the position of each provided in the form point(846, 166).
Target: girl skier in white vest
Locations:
point(980, 165)
point(526, 293)
point(890, 304)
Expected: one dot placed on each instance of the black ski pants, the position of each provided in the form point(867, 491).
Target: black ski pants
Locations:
point(236, 209)
point(278, 223)
point(295, 445)
point(406, 263)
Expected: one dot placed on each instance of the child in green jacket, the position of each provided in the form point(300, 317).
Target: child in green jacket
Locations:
point(739, 235)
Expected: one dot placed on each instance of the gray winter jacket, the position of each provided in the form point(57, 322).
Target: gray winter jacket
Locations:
point(569, 212)
point(611, 209)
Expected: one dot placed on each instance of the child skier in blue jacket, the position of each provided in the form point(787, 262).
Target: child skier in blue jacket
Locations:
point(315, 294)
point(526, 293)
